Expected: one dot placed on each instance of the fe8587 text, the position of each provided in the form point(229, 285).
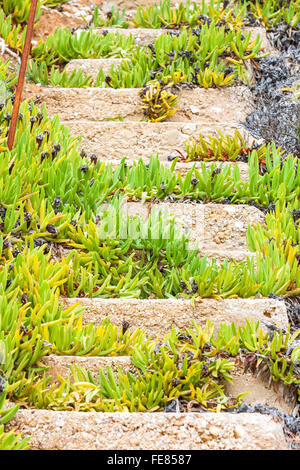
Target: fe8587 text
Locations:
point(166, 459)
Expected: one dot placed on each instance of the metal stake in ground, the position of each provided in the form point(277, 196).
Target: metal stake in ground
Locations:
point(23, 68)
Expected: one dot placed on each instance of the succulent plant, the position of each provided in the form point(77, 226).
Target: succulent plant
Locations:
point(158, 102)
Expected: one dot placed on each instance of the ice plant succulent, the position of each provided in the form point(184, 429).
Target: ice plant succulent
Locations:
point(158, 103)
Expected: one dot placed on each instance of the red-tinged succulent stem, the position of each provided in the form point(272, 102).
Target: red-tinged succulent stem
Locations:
point(23, 68)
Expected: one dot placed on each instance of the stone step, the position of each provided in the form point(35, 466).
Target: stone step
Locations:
point(216, 108)
point(131, 6)
point(65, 430)
point(182, 168)
point(92, 66)
point(60, 365)
point(116, 140)
point(144, 36)
point(257, 388)
point(218, 230)
point(157, 316)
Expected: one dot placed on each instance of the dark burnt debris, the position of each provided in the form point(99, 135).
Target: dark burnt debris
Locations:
point(286, 39)
point(293, 311)
point(125, 326)
point(277, 115)
point(2, 384)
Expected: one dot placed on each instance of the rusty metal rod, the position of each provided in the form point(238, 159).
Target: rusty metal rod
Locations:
point(21, 79)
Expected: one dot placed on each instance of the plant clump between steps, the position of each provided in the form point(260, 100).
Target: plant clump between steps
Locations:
point(231, 148)
point(184, 370)
point(221, 62)
point(233, 13)
point(158, 102)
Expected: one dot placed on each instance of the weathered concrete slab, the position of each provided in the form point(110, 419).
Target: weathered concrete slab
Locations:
point(64, 430)
point(132, 5)
point(220, 107)
point(116, 140)
point(157, 316)
point(92, 66)
point(219, 230)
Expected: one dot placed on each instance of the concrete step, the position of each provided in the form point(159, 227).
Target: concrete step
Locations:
point(92, 66)
point(157, 316)
point(131, 6)
point(181, 168)
point(60, 365)
point(144, 36)
point(221, 107)
point(116, 140)
point(65, 430)
point(218, 230)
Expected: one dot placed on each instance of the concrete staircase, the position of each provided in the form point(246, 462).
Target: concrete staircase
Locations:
point(222, 232)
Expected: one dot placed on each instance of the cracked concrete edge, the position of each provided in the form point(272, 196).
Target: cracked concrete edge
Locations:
point(64, 430)
point(228, 106)
point(157, 316)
